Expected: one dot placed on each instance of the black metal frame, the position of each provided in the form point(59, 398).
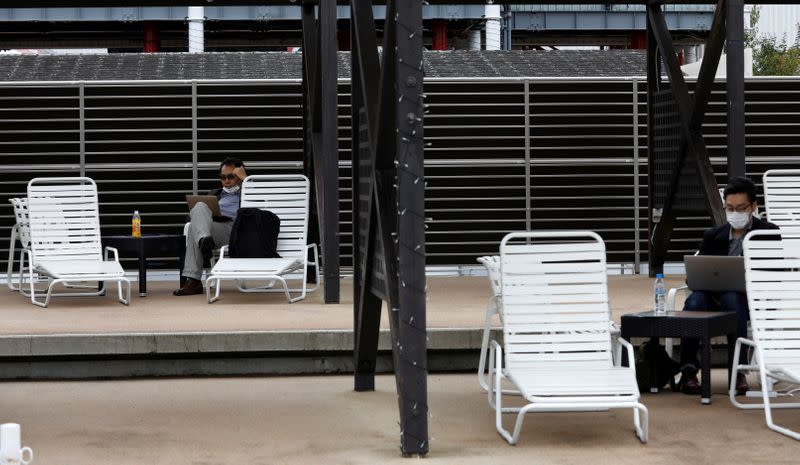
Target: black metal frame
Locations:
point(692, 112)
point(388, 207)
point(321, 153)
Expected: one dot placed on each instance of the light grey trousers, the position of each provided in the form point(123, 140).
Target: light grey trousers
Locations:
point(202, 225)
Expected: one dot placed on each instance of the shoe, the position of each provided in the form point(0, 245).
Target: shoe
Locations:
point(689, 383)
point(190, 287)
point(206, 249)
point(741, 384)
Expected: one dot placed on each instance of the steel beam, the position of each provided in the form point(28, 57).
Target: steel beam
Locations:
point(411, 229)
point(321, 130)
point(365, 88)
point(388, 210)
point(735, 88)
point(692, 113)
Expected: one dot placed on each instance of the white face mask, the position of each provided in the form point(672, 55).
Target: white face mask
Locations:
point(231, 190)
point(738, 220)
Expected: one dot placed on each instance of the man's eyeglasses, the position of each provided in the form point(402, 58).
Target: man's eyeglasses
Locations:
point(229, 176)
point(739, 209)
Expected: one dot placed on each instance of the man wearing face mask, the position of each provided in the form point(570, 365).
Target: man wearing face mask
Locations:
point(740, 204)
point(207, 232)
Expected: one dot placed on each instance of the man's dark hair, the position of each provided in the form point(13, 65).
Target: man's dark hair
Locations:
point(740, 185)
point(231, 161)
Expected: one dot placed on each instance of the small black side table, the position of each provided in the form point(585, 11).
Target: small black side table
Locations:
point(148, 245)
point(700, 325)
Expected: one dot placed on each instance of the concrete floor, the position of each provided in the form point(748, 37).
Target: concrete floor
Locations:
point(320, 420)
point(453, 302)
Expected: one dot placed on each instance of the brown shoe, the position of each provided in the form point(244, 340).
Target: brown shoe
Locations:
point(741, 384)
point(190, 287)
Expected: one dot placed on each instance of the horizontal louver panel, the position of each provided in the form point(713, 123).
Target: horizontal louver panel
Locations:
point(501, 155)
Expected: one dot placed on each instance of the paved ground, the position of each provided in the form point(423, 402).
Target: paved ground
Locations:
point(320, 420)
point(453, 302)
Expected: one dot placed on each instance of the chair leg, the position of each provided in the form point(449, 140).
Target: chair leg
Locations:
point(119, 291)
point(33, 287)
point(288, 295)
point(217, 289)
point(11, 249)
point(482, 377)
point(313, 248)
point(47, 296)
point(768, 411)
point(641, 422)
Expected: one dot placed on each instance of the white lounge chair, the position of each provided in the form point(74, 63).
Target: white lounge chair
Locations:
point(65, 238)
point(492, 264)
point(782, 198)
point(772, 275)
point(20, 231)
point(557, 343)
point(287, 196)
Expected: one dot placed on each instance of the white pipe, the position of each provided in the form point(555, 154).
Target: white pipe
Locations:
point(493, 26)
point(474, 38)
point(196, 39)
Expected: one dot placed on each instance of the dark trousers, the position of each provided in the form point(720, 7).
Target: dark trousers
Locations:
point(728, 301)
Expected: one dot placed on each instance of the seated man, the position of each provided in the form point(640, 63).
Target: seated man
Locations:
point(740, 203)
point(207, 232)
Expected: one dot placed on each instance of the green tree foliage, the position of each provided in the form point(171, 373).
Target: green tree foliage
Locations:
point(771, 57)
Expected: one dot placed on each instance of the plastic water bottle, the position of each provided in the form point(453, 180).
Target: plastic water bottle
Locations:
point(136, 225)
point(659, 295)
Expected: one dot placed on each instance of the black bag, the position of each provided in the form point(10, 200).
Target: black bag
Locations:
point(666, 368)
point(255, 234)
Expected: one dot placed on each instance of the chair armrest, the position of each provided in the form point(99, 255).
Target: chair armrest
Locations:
point(746, 341)
point(495, 356)
point(627, 345)
point(313, 247)
point(672, 294)
point(615, 331)
point(616, 347)
point(222, 251)
point(114, 251)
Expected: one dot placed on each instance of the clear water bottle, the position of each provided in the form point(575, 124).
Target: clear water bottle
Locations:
point(136, 225)
point(659, 296)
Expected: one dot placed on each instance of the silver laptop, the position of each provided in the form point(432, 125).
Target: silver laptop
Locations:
point(209, 200)
point(714, 273)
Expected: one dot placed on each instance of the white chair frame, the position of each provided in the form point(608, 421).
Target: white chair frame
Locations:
point(76, 255)
point(772, 277)
point(19, 231)
point(288, 197)
point(782, 198)
point(492, 264)
point(555, 322)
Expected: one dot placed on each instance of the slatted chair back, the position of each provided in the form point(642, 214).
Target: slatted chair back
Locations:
point(555, 300)
point(287, 196)
point(772, 276)
point(20, 205)
point(782, 198)
point(64, 219)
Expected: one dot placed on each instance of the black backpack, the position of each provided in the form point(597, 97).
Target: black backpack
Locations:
point(255, 234)
point(666, 367)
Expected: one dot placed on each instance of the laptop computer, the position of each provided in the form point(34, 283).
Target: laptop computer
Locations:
point(210, 200)
point(715, 273)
